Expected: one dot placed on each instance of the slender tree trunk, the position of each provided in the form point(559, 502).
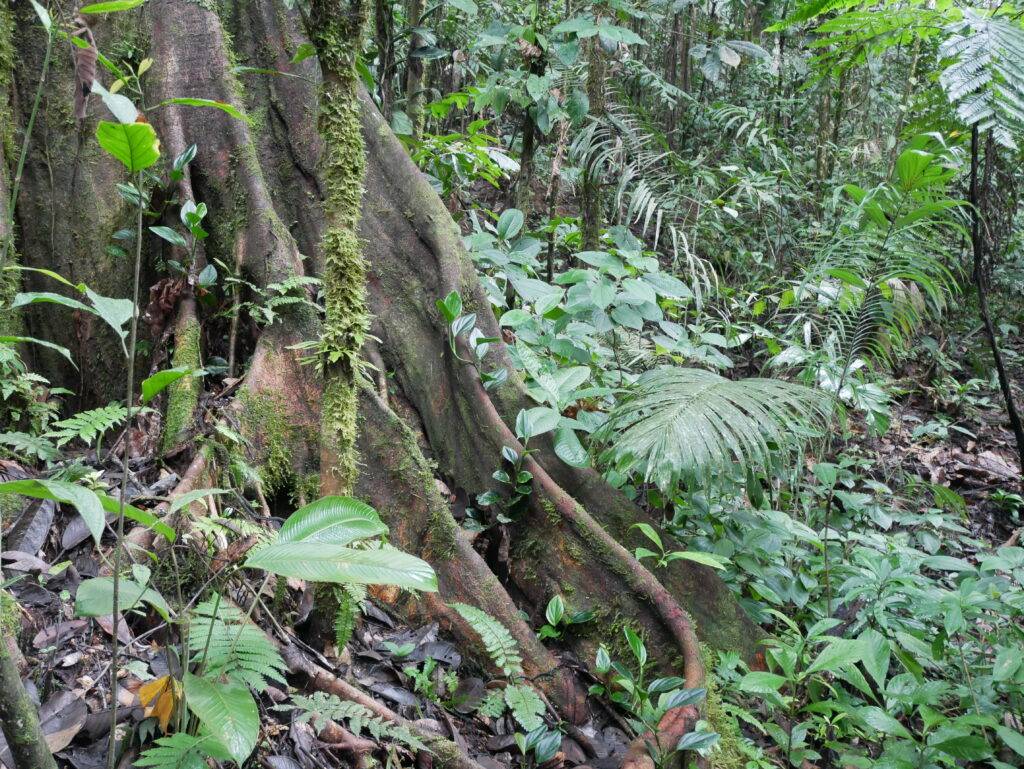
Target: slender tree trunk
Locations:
point(592, 203)
point(414, 69)
point(19, 720)
point(384, 37)
point(978, 273)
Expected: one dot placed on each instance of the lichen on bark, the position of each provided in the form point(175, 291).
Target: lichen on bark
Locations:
point(336, 28)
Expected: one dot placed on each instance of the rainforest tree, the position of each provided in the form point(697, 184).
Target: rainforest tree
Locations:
point(581, 308)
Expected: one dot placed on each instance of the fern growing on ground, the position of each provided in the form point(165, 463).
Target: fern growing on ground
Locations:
point(181, 751)
point(88, 426)
point(237, 648)
point(350, 600)
point(684, 423)
point(320, 707)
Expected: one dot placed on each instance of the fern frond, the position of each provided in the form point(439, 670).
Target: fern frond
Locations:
point(178, 751)
point(344, 618)
point(985, 80)
point(237, 648)
point(499, 643)
point(320, 707)
point(28, 445)
point(88, 425)
point(691, 424)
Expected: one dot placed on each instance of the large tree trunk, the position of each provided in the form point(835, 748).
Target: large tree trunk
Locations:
point(435, 421)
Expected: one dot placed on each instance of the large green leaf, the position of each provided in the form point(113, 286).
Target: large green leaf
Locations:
point(332, 520)
point(43, 489)
point(111, 6)
point(82, 499)
point(322, 562)
point(228, 711)
point(114, 312)
point(134, 144)
point(48, 297)
point(42, 342)
point(838, 653)
point(95, 597)
point(161, 380)
point(190, 101)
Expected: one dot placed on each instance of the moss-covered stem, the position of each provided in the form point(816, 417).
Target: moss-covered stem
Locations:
point(336, 28)
point(19, 720)
point(129, 401)
point(16, 183)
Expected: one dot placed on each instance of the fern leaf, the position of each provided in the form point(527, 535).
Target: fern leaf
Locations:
point(237, 648)
point(32, 446)
point(88, 425)
point(179, 751)
point(499, 643)
point(344, 617)
point(526, 706)
point(320, 707)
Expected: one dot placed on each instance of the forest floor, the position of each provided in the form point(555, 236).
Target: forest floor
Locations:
point(951, 435)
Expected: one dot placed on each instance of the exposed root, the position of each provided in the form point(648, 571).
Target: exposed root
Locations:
point(397, 480)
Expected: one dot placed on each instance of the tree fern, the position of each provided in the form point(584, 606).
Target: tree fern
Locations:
point(237, 648)
point(986, 77)
point(691, 424)
point(500, 645)
point(320, 707)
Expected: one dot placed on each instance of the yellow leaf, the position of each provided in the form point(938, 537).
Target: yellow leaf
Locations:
point(159, 697)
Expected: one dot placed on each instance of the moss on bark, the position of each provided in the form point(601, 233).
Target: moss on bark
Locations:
point(183, 395)
point(337, 29)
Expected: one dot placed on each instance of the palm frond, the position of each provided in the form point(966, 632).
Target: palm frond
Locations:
point(690, 424)
point(634, 158)
point(986, 77)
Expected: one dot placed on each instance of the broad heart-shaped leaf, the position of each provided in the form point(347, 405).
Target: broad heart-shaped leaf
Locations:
point(228, 711)
point(332, 520)
point(95, 598)
point(43, 489)
point(321, 562)
point(134, 144)
point(114, 312)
